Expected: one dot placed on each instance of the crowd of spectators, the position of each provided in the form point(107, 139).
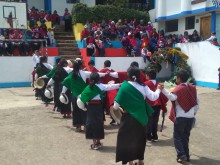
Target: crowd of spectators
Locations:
point(133, 35)
point(26, 41)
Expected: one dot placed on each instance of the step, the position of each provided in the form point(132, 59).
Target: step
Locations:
point(70, 57)
point(70, 52)
point(65, 41)
point(66, 45)
point(68, 48)
point(65, 37)
point(63, 33)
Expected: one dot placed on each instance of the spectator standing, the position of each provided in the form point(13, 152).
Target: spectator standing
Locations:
point(100, 46)
point(50, 35)
point(41, 15)
point(68, 20)
point(55, 18)
point(126, 45)
point(107, 36)
point(16, 42)
point(26, 45)
point(85, 34)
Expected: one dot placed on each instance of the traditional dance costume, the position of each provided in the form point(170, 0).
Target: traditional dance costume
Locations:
point(94, 122)
point(184, 107)
point(42, 69)
point(76, 86)
point(59, 75)
point(131, 139)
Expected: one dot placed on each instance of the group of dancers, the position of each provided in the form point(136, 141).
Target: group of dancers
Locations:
point(140, 102)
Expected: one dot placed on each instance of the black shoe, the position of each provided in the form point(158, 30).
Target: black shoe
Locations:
point(155, 138)
point(218, 88)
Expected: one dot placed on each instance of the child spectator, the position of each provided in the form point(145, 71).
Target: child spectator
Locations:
point(100, 46)
point(146, 54)
point(85, 33)
point(212, 37)
point(144, 41)
point(47, 17)
point(169, 42)
point(26, 45)
point(50, 35)
point(91, 49)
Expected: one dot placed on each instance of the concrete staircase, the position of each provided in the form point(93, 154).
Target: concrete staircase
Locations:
point(66, 43)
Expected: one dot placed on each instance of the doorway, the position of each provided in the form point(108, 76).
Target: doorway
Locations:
point(205, 27)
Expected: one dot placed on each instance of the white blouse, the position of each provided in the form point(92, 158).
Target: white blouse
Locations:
point(145, 91)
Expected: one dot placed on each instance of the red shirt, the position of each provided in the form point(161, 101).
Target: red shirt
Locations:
point(152, 87)
point(85, 33)
point(107, 78)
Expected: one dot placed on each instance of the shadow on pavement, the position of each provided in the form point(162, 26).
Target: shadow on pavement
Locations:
point(204, 161)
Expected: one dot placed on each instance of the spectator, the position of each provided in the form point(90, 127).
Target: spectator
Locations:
point(137, 34)
point(47, 17)
point(88, 25)
point(41, 15)
point(169, 41)
point(161, 42)
point(107, 36)
point(91, 49)
point(55, 18)
point(134, 46)
point(186, 37)
point(43, 29)
point(32, 17)
point(100, 46)
point(16, 43)
point(212, 37)
point(50, 35)
point(103, 24)
point(149, 28)
point(174, 39)
point(36, 44)
point(26, 45)
point(68, 20)
point(3, 45)
point(144, 41)
point(98, 32)
point(155, 34)
point(195, 36)
point(85, 33)
point(119, 28)
point(126, 45)
point(36, 58)
point(215, 42)
point(146, 54)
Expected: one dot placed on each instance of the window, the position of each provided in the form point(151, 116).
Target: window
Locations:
point(190, 22)
point(172, 26)
point(72, 1)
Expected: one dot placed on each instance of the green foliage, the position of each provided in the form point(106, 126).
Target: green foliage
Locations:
point(116, 2)
point(82, 13)
point(165, 55)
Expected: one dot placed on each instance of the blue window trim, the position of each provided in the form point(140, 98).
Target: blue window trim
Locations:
point(175, 16)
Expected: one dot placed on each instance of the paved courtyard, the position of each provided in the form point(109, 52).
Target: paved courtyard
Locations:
point(31, 134)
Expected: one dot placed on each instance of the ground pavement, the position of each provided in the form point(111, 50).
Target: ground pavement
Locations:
point(31, 134)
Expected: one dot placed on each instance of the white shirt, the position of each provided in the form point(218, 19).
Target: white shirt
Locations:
point(48, 66)
point(145, 91)
point(36, 59)
point(179, 110)
point(51, 81)
point(144, 52)
point(211, 38)
point(84, 75)
point(105, 87)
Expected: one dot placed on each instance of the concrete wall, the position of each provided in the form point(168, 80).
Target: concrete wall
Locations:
point(204, 60)
point(122, 64)
point(16, 71)
point(39, 4)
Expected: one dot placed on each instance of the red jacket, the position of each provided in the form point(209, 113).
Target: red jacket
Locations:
point(152, 87)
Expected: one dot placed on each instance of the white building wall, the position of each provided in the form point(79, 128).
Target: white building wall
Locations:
point(60, 7)
point(204, 60)
point(17, 69)
point(39, 4)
